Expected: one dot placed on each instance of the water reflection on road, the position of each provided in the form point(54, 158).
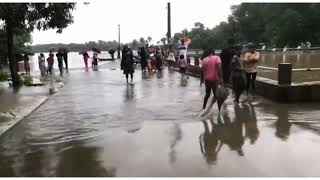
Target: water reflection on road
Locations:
point(99, 126)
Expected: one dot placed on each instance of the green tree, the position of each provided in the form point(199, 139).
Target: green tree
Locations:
point(142, 41)
point(26, 17)
point(149, 39)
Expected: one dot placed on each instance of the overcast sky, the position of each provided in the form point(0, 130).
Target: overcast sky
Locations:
point(137, 18)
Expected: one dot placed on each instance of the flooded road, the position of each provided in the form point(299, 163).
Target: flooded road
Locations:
point(98, 126)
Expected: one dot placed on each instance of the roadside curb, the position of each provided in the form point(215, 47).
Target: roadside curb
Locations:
point(12, 122)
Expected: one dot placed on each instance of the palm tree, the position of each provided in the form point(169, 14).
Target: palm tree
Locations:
point(149, 39)
point(141, 41)
point(163, 40)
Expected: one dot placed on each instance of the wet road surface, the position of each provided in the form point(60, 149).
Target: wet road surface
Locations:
point(98, 126)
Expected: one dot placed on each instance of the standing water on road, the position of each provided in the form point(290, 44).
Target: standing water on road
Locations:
point(97, 125)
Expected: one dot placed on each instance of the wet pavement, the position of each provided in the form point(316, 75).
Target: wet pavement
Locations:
point(99, 126)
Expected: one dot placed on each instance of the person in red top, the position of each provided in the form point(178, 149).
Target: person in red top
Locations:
point(211, 74)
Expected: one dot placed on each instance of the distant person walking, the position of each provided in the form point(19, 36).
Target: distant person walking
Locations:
point(183, 65)
point(65, 58)
point(127, 63)
point(26, 64)
point(60, 62)
point(85, 59)
point(50, 61)
point(211, 75)
point(171, 58)
point(159, 60)
point(251, 59)
point(143, 61)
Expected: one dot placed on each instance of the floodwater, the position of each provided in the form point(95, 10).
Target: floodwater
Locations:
point(99, 126)
point(75, 60)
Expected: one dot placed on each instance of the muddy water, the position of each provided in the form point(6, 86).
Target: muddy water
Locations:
point(98, 126)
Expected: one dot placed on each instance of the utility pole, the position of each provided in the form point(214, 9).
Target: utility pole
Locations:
point(169, 24)
point(119, 41)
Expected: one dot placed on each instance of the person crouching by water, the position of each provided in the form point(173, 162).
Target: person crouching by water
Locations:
point(211, 75)
point(183, 65)
point(26, 64)
point(251, 59)
point(127, 63)
point(237, 74)
point(95, 61)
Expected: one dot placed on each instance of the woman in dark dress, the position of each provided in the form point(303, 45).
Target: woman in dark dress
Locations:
point(127, 62)
point(143, 61)
point(237, 74)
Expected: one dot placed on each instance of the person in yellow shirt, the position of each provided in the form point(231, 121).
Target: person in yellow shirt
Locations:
point(251, 59)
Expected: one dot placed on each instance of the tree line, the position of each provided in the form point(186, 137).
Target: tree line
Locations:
point(78, 47)
point(271, 24)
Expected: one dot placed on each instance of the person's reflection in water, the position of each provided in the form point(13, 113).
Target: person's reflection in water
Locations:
point(177, 136)
point(82, 161)
point(209, 143)
point(129, 95)
point(282, 125)
point(238, 138)
point(184, 81)
point(145, 75)
point(159, 74)
point(250, 124)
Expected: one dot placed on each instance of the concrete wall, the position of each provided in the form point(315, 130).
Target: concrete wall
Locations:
point(281, 93)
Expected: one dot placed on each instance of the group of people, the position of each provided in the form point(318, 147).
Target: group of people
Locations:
point(62, 56)
point(229, 68)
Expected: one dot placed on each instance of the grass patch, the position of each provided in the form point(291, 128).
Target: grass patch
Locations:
point(4, 75)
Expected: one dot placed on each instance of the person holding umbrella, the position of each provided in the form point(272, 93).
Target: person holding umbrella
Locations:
point(127, 63)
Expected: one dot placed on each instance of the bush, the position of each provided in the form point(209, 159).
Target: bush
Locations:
point(27, 80)
point(4, 75)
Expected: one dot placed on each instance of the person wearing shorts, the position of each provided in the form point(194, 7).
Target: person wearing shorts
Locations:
point(211, 75)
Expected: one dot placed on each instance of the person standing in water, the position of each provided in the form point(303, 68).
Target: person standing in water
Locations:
point(159, 60)
point(237, 75)
point(50, 61)
point(65, 58)
point(143, 61)
point(211, 75)
point(127, 63)
point(42, 64)
point(251, 59)
point(85, 59)
point(171, 58)
point(26, 64)
point(60, 62)
point(95, 61)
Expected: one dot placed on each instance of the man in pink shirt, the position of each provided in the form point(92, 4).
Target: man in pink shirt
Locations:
point(211, 74)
